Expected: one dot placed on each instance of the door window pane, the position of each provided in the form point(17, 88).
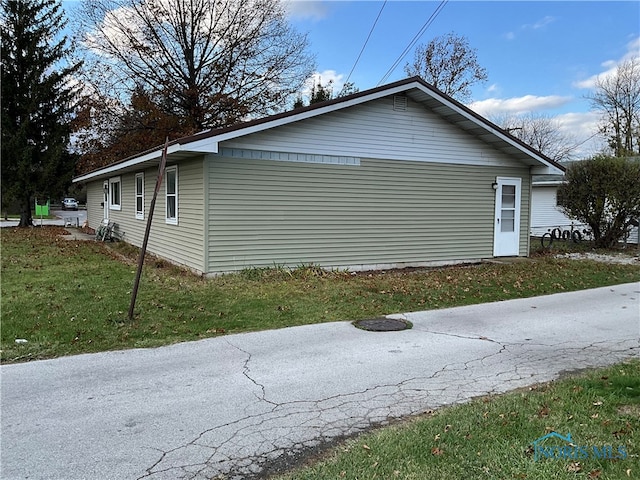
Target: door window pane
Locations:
point(507, 222)
point(508, 196)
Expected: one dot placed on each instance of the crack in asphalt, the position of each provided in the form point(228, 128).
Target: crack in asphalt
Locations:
point(246, 372)
point(273, 440)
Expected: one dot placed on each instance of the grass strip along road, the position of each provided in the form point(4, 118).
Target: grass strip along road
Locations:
point(503, 436)
point(69, 297)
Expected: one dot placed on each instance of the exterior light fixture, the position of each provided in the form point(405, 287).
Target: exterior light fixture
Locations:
point(494, 185)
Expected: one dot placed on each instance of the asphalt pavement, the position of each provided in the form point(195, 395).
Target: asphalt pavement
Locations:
point(68, 218)
point(234, 406)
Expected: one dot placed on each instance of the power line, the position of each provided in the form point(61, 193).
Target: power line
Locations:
point(366, 41)
point(585, 141)
point(426, 25)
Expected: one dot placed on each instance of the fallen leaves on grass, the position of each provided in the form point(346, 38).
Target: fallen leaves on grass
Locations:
point(215, 330)
point(543, 412)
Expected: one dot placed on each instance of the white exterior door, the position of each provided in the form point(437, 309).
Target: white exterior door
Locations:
point(105, 203)
point(506, 238)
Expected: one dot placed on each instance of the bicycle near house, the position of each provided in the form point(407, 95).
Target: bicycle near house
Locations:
point(567, 233)
point(107, 231)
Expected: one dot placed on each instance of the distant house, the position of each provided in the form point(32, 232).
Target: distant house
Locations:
point(400, 175)
point(546, 213)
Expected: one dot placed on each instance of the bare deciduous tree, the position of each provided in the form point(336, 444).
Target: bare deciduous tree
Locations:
point(449, 64)
point(541, 132)
point(617, 97)
point(211, 63)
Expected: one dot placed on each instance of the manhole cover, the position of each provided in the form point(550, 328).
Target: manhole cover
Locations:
point(382, 324)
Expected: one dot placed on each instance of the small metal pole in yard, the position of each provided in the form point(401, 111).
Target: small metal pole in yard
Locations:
point(143, 250)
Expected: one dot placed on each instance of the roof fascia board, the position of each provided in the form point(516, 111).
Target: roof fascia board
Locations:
point(126, 164)
point(206, 145)
point(553, 183)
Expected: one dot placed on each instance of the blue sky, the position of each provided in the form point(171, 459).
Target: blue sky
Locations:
point(540, 56)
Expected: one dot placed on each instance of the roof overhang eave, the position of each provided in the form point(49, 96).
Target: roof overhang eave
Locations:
point(468, 120)
point(420, 91)
point(147, 159)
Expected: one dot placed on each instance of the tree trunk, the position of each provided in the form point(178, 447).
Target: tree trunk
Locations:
point(610, 238)
point(26, 219)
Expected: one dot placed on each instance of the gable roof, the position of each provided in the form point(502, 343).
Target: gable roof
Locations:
point(414, 88)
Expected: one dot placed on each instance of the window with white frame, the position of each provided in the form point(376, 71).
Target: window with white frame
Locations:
point(171, 175)
point(140, 196)
point(115, 194)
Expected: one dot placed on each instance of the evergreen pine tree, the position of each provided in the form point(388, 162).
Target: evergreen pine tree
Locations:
point(37, 102)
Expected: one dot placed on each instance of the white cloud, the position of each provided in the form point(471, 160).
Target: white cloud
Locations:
point(110, 31)
point(579, 128)
point(583, 129)
point(306, 9)
point(609, 66)
point(585, 123)
point(517, 105)
point(531, 26)
point(633, 49)
point(541, 23)
point(324, 78)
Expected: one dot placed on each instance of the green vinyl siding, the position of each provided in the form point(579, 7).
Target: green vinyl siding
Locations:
point(95, 210)
point(364, 186)
point(265, 213)
point(183, 243)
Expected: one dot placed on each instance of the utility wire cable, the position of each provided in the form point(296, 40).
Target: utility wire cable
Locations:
point(366, 42)
point(426, 25)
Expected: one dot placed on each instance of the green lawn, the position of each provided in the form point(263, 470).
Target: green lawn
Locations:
point(492, 437)
point(68, 297)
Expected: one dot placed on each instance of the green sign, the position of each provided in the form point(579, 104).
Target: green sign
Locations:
point(42, 210)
